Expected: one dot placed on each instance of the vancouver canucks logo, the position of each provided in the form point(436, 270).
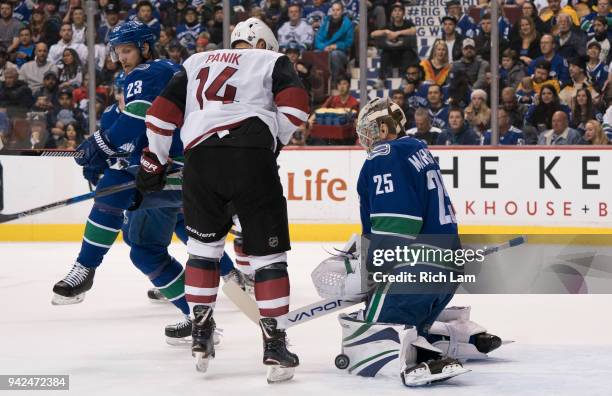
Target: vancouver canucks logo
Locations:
point(381, 149)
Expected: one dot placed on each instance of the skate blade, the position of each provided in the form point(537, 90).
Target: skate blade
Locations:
point(62, 300)
point(159, 301)
point(277, 373)
point(426, 379)
point(201, 361)
point(185, 341)
point(507, 342)
point(174, 341)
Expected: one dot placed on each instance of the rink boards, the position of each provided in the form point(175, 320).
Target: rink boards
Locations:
point(502, 190)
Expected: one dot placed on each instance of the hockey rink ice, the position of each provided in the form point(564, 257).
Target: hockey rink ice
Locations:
point(113, 342)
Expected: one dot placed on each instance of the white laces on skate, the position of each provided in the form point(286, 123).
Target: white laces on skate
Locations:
point(77, 275)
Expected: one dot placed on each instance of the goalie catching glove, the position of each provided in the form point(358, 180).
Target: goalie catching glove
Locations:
point(151, 174)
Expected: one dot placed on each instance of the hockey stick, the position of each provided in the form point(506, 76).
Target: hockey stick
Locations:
point(79, 198)
point(320, 308)
point(52, 153)
point(248, 306)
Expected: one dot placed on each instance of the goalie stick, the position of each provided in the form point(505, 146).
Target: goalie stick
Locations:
point(248, 306)
point(62, 153)
point(79, 198)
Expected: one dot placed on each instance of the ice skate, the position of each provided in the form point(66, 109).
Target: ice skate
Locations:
point(280, 361)
point(486, 342)
point(435, 370)
point(71, 289)
point(155, 296)
point(202, 334)
point(179, 334)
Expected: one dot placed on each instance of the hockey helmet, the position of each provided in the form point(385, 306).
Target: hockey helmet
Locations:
point(376, 112)
point(251, 31)
point(131, 32)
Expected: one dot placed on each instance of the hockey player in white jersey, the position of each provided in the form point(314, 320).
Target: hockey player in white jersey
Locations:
point(236, 109)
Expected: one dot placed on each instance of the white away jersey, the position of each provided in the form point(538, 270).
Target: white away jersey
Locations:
point(218, 90)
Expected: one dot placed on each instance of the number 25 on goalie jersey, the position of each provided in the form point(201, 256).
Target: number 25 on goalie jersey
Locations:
point(401, 192)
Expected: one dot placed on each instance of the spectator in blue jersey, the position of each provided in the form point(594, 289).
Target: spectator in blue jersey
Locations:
point(21, 11)
point(458, 131)
point(603, 36)
point(415, 91)
point(437, 109)
point(145, 14)
point(571, 41)
point(508, 133)
point(25, 50)
point(397, 41)
point(465, 23)
point(351, 9)
point(112, 19)
point(583, 110)
point(187, 33)
point(602, 10)
point(315, 10)
point(559, 68)
point(597, 70)
point(295, 29)
point(560, 133)
point(336, 38)
point(452, 38)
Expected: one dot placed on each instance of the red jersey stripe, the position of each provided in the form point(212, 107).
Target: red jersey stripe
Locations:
point(272, 289)
point(273, 313)
point(166, 110)
point(158, 130)
point(293, 97)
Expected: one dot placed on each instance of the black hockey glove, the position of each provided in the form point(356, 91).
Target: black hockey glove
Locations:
point(151, 176)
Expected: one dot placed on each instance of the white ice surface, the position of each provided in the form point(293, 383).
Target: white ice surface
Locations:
point(113, 343)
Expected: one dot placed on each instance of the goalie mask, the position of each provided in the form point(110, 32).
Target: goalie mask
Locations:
point(375, 113)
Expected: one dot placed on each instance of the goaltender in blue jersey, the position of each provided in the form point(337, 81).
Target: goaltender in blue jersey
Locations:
point(402, 198)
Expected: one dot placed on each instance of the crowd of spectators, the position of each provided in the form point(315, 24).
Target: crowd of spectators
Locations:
point(553, 75)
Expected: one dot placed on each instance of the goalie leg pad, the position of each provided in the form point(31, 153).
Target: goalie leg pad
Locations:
point(376, 349)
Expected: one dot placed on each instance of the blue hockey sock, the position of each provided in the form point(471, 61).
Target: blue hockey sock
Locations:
point(103, 226)
point(170, 280)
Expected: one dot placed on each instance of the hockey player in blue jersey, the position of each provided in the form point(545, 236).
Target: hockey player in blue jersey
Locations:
point(149, 229)
point(402, 198)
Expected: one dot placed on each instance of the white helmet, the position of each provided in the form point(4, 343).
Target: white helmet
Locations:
point(374, 113)
point(251, 31)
